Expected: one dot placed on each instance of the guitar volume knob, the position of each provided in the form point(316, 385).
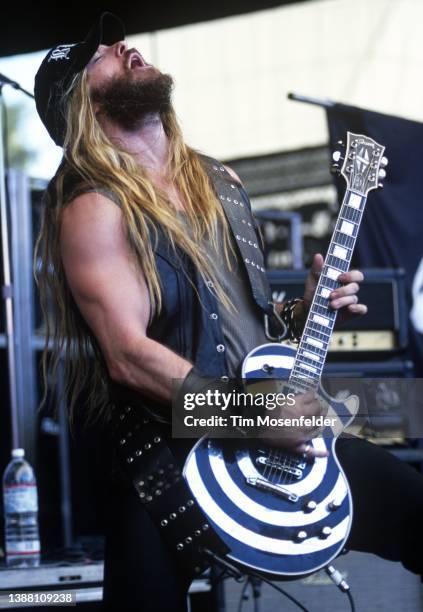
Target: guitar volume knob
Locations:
point(310, 506)
point(325, 532)
point(300, 536)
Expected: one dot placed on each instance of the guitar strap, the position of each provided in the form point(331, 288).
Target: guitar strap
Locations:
point(161, 488)
point(237, 209)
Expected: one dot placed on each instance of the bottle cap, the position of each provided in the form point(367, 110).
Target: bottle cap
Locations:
point(18, 452)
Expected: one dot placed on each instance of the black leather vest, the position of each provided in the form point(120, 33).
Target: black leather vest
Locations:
point(184, 325)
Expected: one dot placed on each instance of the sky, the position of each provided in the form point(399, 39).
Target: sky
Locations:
point(22, 68)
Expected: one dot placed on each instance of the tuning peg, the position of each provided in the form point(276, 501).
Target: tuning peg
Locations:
point(337, 156)
point(334, 169)
point(382, 173)
point(380, 185)
point(341, 144)
point(384, 162)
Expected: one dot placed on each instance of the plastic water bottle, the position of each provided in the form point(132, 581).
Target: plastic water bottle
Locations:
point(22, 541)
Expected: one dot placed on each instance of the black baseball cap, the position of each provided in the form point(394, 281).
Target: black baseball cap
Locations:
point(62, 63)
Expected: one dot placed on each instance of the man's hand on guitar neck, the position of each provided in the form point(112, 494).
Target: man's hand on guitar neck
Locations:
point(344, 298)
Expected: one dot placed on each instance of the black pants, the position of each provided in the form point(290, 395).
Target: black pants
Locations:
point(388, 521)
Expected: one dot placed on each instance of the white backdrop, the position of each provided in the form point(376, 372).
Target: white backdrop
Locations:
point(232, 75)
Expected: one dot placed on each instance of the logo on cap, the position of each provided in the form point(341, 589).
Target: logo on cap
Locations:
point(61, 52)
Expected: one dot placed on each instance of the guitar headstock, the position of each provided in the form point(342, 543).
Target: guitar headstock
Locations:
point(361, 162)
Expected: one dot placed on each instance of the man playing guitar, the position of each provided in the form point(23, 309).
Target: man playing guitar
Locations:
point(144, 268)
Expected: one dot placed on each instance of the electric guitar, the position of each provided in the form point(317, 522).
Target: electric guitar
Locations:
point(280, 515)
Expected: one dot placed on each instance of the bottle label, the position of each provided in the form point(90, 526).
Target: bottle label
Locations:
point(20, 498)
point(28, 547)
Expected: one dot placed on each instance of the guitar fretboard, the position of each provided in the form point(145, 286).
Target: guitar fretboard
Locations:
point(313, 347)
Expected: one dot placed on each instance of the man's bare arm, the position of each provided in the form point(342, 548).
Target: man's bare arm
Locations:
point(110, 290)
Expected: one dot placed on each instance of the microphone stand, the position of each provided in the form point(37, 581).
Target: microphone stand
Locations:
point(311, 100)
point(7, 288)
point(8, 296)
point(4, 80)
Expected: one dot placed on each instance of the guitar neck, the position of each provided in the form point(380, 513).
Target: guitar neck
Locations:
point(318, 328)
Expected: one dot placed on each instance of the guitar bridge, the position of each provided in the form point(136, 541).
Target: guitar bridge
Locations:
point(280, 467)
point(265, 485)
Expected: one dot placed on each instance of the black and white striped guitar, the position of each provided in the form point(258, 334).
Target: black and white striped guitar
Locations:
point(278, 514)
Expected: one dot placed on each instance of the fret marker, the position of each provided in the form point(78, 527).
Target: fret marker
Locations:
point(308, 367)
point(347, 228)
point(340, 252)
point(321, 320)
point(314, 342)
point(354, 201)
point(325, 292)
point(311, 355)
point(333, 273)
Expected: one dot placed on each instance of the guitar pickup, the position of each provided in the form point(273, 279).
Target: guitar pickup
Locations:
point(265, 485)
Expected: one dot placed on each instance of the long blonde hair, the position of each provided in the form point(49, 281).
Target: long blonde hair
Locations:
point(91, 160)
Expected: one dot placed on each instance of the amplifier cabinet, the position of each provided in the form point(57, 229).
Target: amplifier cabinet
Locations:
point(388, 395)
point(384, 329)
point(283, 240)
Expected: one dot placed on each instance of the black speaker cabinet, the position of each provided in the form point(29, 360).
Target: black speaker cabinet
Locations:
point(382, 330)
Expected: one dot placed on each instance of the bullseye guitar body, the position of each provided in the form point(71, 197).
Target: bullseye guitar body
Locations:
point(280, 515)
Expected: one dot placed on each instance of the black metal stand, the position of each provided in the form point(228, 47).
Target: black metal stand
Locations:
point(7, 288)
point(10, 294)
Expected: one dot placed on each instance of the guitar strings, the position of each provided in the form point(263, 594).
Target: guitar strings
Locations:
point(278, 462)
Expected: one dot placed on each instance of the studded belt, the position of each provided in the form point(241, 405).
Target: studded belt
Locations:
point(156, 475)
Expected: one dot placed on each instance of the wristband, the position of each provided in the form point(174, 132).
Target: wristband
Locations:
point(288, 317)
point(196, 382)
